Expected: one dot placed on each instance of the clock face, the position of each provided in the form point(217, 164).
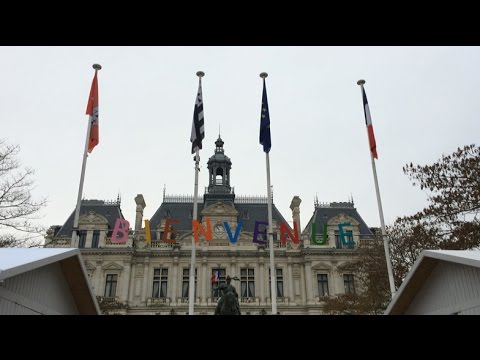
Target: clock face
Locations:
point(218, 229)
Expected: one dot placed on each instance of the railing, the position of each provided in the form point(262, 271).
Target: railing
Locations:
point(232, 190)
point(276, 245)
point(61, 242)
point(110, 302)
point(246, 199)
point(181, 199)
point(108, 242)
point(249, 301)
point(184, 300)
point(162, 301)
point(280, 300)
point(217, 243)
point(343, 205)
point(161, 244)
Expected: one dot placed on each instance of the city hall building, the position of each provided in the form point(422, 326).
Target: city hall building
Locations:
point(152, 277)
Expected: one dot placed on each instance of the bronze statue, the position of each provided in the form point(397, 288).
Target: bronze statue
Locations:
point(228, 303)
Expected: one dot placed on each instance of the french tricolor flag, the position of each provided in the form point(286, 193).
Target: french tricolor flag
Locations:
point(215, 277)
point(368, 121)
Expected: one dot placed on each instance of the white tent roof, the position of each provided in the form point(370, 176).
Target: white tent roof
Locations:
point(14, 261)
point(417, 275)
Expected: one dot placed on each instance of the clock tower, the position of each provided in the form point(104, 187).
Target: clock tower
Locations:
point(219, 196)
point(219, 166)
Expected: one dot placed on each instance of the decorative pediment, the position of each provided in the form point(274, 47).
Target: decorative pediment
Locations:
point(93, 218)
point(343, 218)
point(322, 266)
point(89, 266)
point(112, 266)
point(219, 209)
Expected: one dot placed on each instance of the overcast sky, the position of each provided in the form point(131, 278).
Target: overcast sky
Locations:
point(424, 101)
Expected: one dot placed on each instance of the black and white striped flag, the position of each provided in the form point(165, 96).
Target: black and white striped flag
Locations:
point(198, 128)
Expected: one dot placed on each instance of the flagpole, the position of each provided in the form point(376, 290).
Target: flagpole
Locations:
point(191, 284)
point(380, 212)
point(82, 177)
point(273, 275)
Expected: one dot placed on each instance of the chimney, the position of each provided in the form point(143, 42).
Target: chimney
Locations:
point(295, 206)
point(139, 200)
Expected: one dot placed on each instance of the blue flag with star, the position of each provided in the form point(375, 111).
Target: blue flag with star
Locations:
point(265, 138)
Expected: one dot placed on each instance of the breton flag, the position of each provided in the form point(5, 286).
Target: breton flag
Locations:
point(368, 121)
point(265, 138)
point(92, 110)
point(198, 128)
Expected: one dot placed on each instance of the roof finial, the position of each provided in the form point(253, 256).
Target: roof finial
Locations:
point(164, 190)
point(315, 202)
point(219, 130)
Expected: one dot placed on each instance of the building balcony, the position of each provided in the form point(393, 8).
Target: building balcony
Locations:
point(64, 241)
point(276, 245)
point(110, 302)
point(159, 244)
point(108, 243)
point(162, 301)
point(280, 300)
point(185, 300)
point(249, 301)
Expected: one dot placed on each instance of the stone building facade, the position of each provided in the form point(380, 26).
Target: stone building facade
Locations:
point(152, 277)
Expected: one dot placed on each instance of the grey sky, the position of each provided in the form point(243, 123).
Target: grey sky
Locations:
point(423, 102)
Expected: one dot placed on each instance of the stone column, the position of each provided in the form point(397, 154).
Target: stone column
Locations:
point(146, 276)
point(308, 281)
point(131, 289)
point(261, 270)
point(126, 281)
point(203, 281)
point(290, 295)
point(233, 266)
point(88, 240)
point(174, 281)
point(99, 291)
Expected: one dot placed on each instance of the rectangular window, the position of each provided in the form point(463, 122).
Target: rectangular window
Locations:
point(247, 283)
point(322, 280)
point(222, 275)
point(186, 283)
point(279, 275)
point(82, 237)
point(111, 285)
point(348, 238)
point(349, 284)
point(95, 238)
point(160, 281)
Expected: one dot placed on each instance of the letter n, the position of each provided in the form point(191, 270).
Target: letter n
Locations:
point(284, 230)
point(198, 228)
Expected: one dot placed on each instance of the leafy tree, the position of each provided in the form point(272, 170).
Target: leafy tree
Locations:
point(371, 283)
point(449, 222)
point(17, 207)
